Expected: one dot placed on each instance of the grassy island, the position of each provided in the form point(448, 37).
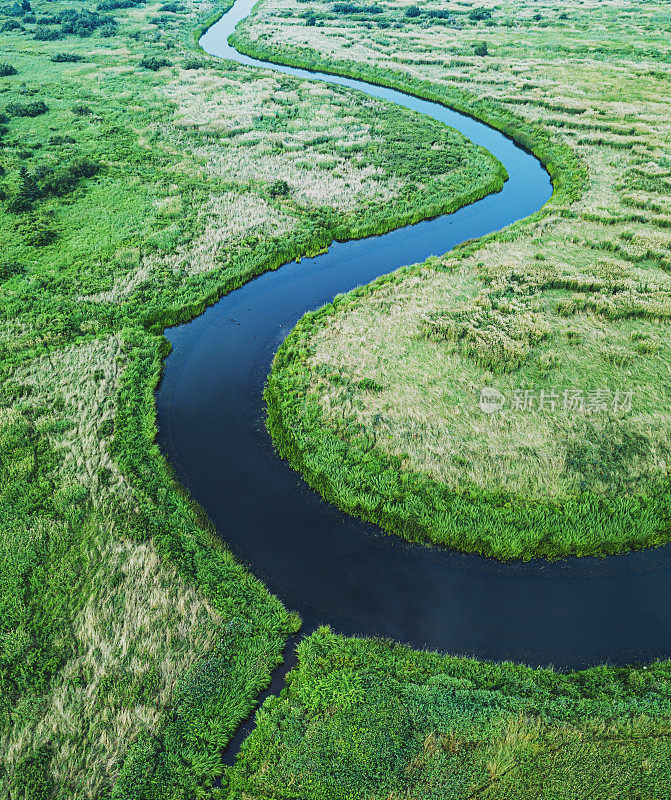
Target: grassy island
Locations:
point(563, 318)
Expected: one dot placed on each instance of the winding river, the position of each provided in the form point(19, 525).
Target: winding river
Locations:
point(337, 570)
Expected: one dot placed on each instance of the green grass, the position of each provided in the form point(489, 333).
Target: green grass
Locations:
point(131, 642)
point(574, 298)
point(141, 180)
point(369, 718)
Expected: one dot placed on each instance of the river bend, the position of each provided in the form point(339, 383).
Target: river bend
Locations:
point(343, 572)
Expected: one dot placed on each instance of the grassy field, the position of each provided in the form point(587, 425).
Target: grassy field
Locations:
point(377, 399)
point(370, 719)
point(140, 180)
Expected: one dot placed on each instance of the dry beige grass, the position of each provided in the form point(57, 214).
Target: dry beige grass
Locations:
point(209, 104)
point(593, 82)
point(223, 221)
point(79, 385)
point(140, 619)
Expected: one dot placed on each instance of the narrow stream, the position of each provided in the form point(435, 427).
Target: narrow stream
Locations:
point(337, 570)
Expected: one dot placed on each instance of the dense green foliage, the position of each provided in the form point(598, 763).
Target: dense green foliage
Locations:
point(40, 559)
point(153, 63)
point(209, 702)
point(369, 718)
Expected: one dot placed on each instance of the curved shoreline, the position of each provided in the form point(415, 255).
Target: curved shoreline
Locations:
point(572, 178)
point(473, 520)
point(342, 572)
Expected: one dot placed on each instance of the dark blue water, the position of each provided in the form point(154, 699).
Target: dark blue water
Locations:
point(339, 571)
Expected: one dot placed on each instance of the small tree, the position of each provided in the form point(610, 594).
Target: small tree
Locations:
point(413, 11)
point(480, 49)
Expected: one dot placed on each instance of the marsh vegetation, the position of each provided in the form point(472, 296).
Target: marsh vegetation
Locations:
point(369, 718)
point(572, 306)
point(139, 182)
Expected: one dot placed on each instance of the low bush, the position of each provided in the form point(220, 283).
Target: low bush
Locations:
point(83, 23)
point(73, 23)
point(480, 14)
point(113, 5)
point(8, 269)
point(47, 35)
point(33, 109)
point(352, 8)
point(48, 180)
point(278, 188)
point(39, 232)
point(81, 110)
point(154, 63)
point(66, 58)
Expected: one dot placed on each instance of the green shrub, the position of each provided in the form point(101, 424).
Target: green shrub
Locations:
point(83, 23)
point(6, 70)
point(33, 109)
point(48, 180)
point(33, 778)
point(47, 35)
point(81, 110)
point(480, 14)
point(154, 63)
point(278, 188)
point(112, 5)
point(10, 268)
point(66, 58)
point(39, 233)
point(352, 8)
